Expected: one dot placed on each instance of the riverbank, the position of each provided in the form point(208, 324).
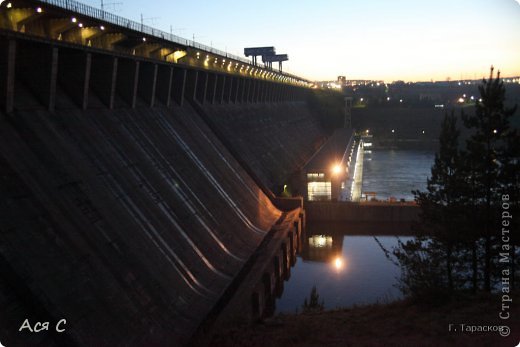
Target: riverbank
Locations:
point(400, 323)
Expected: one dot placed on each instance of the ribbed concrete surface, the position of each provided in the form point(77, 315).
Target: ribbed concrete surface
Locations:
point(129, 223)
point(276, 140)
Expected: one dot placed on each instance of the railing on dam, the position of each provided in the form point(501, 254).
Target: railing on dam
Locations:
point(96, 13)
point(111, 18)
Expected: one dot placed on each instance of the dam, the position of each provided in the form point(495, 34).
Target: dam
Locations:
point(140, 180)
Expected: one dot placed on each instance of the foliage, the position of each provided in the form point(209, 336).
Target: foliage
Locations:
point(313, 304)
point(458, 239)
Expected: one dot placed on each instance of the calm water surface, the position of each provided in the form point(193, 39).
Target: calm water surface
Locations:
point(352, 270)
point(395, 173)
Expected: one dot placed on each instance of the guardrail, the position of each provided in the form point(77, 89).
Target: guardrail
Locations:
point(108, 17)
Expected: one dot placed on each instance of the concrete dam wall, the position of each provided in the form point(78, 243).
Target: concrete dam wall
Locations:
point(132, 222)
point(275, 140)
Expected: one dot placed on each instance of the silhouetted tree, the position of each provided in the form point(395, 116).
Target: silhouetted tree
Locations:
point(460, 210)
point(314, 303)
point(485, 153)
point(441, 203)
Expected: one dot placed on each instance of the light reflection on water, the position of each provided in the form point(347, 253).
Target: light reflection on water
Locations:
point(353, 271)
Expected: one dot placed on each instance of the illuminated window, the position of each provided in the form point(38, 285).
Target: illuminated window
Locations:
point(316, 175)
point(320, 241)
point(319, 191)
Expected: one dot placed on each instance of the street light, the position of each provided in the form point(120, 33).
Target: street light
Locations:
point(336, 170)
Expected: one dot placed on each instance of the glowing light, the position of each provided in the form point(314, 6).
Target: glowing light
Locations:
point(74, 20)
point(367, 131)
point(102, 27)
point(80, 25)
point(423, 131)
point(400, 100)
point(494, 131)
point(144, 39)
point(320, 241)
point(461, 100)
point(9, 5)
point(336, 169)
point(361, 99)
point(338, 263)
point(387, 98)
point(39, 10)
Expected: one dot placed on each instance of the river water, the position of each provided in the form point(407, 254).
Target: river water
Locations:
point(395, 173)
point(349, 267)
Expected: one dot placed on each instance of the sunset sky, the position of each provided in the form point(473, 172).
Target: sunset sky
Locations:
point(412, 40)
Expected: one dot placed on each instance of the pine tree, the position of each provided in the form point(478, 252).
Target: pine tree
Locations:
point(440, 204)
point(489, 126)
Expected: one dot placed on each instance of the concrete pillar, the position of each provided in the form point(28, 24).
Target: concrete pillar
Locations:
point(221, 86)
point(74, 75)
point(276, 92)
point(192, 77)
point(254, 91)
point(179, 85)
point(164, 84)
point(128, 80)
point(247, 90)
point(103, 78)
point(211, 88)
point(242, 95)
point(147, 82)
point(7, 74)
point(286, 260)
point(53, 79)
point(227, 88)
point(202, 86)
point(236, 90)
point(263, 91)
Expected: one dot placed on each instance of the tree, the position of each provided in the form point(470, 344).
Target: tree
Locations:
point(314, 303)
point(441, 203)
point(485, 151)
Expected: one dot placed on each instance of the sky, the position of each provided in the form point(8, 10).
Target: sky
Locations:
point(410, 40)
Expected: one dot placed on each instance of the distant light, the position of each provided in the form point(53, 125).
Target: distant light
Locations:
point(494, 131)
point(80, 25)
point(102, 27)
point(338, 263)
point(74, 20)
point(393, 131)
point(400, 100)
point(480, 100)
point(387, 98)
point(472, 97)
point(459, 83)
point(361, 99)
point(9, 5)
point(285, 187)
point(463, 95)
point(144, 39)
point(461, 100)
point(336, 169)
point(39, 10)
point(423, 131)
point(367, 131)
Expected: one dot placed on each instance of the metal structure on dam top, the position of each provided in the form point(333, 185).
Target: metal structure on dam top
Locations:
point(77, 23)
